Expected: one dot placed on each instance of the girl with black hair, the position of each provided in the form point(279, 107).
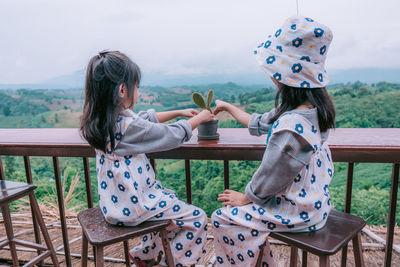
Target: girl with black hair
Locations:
point(128, 191)
point(289, 191)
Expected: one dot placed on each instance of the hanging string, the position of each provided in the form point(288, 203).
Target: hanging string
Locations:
point(297, 6)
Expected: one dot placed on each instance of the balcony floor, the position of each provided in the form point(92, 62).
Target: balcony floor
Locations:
point(373, 256)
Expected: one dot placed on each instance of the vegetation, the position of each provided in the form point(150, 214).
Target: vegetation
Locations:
point(358, 105)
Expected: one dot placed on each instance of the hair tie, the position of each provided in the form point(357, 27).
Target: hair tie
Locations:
point(100, 54)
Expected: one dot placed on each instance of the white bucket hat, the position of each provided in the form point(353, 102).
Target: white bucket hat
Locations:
point(295, 55)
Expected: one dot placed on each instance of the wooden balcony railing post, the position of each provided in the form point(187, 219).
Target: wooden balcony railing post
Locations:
point(88, 183)
point(226, 174)
point(188, 181)
point(1, 170)
point(392, 214)
point(347, 206)
point(60, 199)
point(29, 180)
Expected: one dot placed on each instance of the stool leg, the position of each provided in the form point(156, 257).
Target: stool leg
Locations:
point(84, 251)
point(43, 228)
point(260, 256)
point(99, 257)
point(9, 231)
point(323, 261)
point(304, 259)
point(167, 249)
point(293, 256)
point(126, 251)
point(357, 249)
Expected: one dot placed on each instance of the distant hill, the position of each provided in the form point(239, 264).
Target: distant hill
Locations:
point(76, 80)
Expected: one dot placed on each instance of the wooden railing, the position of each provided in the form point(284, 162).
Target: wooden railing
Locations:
point(347, 145)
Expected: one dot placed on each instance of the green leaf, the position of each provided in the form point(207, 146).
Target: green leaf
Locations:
point(209, 98)
point(199, 100)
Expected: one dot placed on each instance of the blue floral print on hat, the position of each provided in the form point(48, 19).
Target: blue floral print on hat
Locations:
point(295, 54)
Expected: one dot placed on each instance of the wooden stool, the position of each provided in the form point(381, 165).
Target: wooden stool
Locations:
point(11, 191)
point(340, 228)
point(100, 234)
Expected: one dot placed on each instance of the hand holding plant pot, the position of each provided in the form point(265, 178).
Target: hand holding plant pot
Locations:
point(207, 130)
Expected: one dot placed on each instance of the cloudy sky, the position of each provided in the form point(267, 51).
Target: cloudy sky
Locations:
point(43, 39)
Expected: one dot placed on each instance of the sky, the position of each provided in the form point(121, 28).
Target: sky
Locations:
point(43, 39)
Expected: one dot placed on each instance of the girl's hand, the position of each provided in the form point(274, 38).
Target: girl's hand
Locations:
point(220, 106)
point(205, 116)
point(189, 112)
point(233, 198)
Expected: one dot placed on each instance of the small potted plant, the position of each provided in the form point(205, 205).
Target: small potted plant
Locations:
point(207, 130)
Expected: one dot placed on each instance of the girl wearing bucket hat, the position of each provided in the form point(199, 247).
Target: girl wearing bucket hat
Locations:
point(289, 191)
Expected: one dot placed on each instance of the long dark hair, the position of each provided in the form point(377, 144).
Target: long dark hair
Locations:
point(289, 98)
point(105, 73)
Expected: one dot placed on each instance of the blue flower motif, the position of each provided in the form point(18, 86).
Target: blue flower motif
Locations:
point(147, 166)
point(162, 204)
point(318, 32)
point(119, 118)
point(296, 68)
point(114, 199)
point(313, 129)
point(127, 162)
point(298, 178)
point(322, 50)
point(312, 228)
point(278, 32)
point(267, 44)
point(126, 211)
point(241, 237)
point(278, 200)
point(250, 253)
point(189, 235)
point(233, 261)
point(220, 260)
point(196, 212)
point(319, 163)
point(278, 47)
point(329, 202)
point(255, 52)
point(120, 224)
point(231, 242)
point(304, 215)
point(118, 136)
point(121, 187)
point(110, 174)
point(277, 76)
point(276, 123)
point(235, 211)
point(260, 45)
point(240, 257)
point(270, 59)
point(317, 205)
point(103, 185)
point(199, 241)
point(305, 58)
point(179, 246)
point(302, 193)
point(216, 224)
point(108, 150)
point(153, 246)
point(134, 199)
point(197, 224)
point(310, 20)
point(330, 172)
point(148, 180)
point(135, 184)
point(104, 210)
point(248, 217)
point(160, 215)
point(271, 226)
point(140, 170)
point(226, 240)
point(218, 212)
point(316, 147)
point(299, 128)
point(116, 164)
point(101, 160)
point(290, 226)
point(297, 42)
point(325, 215)
point(179, 223)
point(152, 196)
point(264, 264)
point(254, 232)
point(293, 26)
point(278, 216)
point(176, 208)
point(127, 175)
point(326, 189)
point(261, 211)
point(305, 84)
point(312, 178)
point(146, 250)
point(188, 253)
point(285, 221)
point(320, 77)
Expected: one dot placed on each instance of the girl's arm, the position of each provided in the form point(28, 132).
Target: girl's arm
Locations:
point(240, 115)
point(169, 115)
